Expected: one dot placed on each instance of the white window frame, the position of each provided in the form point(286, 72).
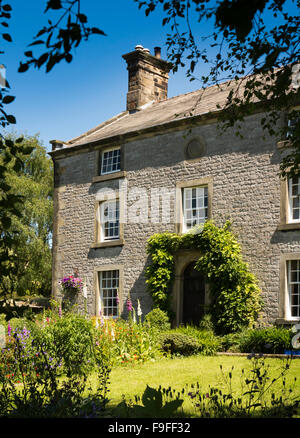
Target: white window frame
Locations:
point(105, 151)
point(103, 205)
point(109, 287)
point(290, 202)
point(185, 190)
point(289, 304)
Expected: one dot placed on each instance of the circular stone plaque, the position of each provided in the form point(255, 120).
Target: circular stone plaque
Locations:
point(195, 149)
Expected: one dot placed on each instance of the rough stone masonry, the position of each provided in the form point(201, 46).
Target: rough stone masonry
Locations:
point(245, 188)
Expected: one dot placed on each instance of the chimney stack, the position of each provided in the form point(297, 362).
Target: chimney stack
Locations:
point(157, 52)
point(147, 77)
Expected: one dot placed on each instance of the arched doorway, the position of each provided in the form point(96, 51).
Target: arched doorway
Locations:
point(193, 301)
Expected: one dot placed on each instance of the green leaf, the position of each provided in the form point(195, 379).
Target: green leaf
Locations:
point(23, 67)
point(11, 119)
point(37, 42)
point(42, 59)
point(8, 99)
point(53, 4)
point(4, 186)
point(6, 222)
point(7, 8)
point(7, 37)
point(98, 31)
point(68, 57)
point(82, 18)
point(27, 150)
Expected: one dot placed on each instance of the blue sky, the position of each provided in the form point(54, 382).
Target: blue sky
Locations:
point(75, 97)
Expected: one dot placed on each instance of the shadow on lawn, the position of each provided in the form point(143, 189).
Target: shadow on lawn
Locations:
point(258, 397)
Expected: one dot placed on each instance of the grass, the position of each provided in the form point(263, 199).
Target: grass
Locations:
point(179, 372)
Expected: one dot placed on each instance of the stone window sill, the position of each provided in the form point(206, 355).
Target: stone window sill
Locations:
point(108, 243)
point(109, 176)
point(289, 227)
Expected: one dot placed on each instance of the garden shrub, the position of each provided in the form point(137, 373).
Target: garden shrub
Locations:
point(232, 342)
point(68, 338)
point(158, 319)
point(179, 343)
point(209, 344)
point(18, 323)
point(206, 322)
point(31, 383)
point(268, 340)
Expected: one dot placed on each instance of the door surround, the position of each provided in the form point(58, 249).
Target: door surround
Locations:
point(182, 259)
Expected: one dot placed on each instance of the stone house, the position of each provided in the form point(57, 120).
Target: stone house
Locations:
point(162, 165)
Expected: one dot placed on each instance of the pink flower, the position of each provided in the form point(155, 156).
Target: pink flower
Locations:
point(129, 304)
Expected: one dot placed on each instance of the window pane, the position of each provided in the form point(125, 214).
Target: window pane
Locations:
point(108, 292)
point(294, 265)
point(111, 161)
point(294, 288)
point(294, 199)
point(294, 277)
point(109, 212)
point(195, 211)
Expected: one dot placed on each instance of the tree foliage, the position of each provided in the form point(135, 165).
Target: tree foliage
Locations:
point(252, 44)
point(61, 36)
point(24, 228)
point(26, 211)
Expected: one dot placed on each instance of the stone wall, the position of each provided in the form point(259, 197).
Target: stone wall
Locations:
point(246, 190)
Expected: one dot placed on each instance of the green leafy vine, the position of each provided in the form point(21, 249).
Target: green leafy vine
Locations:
point(235, 295)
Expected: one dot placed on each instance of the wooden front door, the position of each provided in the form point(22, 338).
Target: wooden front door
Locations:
point(193, 295)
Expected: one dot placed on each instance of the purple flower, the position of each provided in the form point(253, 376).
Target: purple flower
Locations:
point(129, 304)
point(71, 283)
point(9, 329)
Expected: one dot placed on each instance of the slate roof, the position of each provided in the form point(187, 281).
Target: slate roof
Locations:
point(196, 103)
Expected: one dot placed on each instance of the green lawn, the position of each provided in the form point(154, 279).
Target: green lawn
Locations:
point(179, 372)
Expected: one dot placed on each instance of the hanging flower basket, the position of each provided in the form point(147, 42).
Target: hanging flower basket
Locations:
point(71, 284)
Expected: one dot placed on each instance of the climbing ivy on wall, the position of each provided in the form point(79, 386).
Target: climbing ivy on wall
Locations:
point(235, 295)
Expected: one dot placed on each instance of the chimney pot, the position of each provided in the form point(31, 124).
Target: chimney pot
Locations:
point(157, 52)
point(147, 50)
point(139, 47)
